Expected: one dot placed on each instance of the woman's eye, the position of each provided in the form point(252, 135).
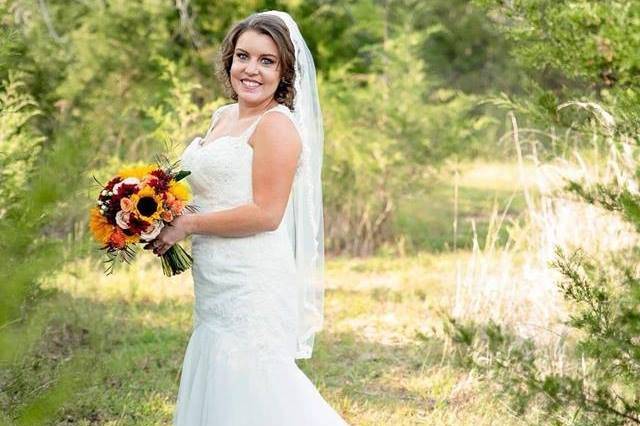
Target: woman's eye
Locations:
point(265, 61)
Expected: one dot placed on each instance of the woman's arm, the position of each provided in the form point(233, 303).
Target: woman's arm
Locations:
point(276, 148)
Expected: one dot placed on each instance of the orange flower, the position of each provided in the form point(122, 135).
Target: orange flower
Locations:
point(126, 204)
point(167, 216)
point(100, 228)
point(176, 207)
point(118, 239)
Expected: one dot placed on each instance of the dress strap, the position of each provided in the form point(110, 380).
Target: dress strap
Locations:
point(279, 107)
point(286, 111)
point(215, 117)
point(246, 134)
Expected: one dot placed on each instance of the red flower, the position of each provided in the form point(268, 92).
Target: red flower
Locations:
point(137, 225)
point(162, 184)
point(117, 239)
point(109, 186)
point(125, 190)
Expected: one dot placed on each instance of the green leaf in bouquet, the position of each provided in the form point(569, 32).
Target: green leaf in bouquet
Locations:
point(181, 175)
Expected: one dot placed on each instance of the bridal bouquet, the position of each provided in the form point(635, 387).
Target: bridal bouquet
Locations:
point(134, 206)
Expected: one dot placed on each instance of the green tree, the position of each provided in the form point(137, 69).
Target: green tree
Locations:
point(386, 130)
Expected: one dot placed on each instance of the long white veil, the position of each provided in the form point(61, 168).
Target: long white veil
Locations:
point(304, 215)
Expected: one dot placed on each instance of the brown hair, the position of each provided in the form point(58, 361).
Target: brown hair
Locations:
point(275, 28)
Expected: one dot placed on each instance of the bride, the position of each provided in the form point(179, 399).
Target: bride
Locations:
point(257, 239)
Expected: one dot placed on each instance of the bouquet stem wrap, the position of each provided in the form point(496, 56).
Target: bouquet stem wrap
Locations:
point(176, 260)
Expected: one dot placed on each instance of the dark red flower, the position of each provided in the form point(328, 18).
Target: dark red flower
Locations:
point(125, 190)
point(109, 186)
point(137, 225)
point(162, 184)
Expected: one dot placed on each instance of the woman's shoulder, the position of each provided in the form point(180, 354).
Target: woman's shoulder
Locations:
point(279, 126)
point(221, 109)
point(277, 118)
point(282, 109)
point(219, 112)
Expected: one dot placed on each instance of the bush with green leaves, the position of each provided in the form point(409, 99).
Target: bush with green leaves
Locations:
point(39, 186)
point(386, 133)
point(597, 383)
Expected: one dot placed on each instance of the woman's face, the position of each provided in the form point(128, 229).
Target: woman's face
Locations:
point(255, 69)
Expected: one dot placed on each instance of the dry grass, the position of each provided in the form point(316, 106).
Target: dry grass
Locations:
point(514, 283)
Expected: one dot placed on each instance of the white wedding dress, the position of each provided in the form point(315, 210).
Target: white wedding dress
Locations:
point(239, 367)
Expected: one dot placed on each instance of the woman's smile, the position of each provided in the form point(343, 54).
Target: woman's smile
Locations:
point(250, 84)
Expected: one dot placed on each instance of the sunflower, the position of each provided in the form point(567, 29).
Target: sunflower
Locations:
point(180, 190)
point(147, 204)
point(136, 171)
point(100, 227)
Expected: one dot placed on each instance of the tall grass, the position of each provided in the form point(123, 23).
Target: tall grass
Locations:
point(514, 284)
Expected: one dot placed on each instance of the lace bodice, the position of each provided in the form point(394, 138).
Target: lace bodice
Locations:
point(244, 286)
point(221, 168)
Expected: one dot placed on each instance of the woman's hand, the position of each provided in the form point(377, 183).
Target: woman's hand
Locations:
point(171, 234)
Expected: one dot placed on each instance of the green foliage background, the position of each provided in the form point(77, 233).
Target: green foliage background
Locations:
point(407, 86)
point(88, 85)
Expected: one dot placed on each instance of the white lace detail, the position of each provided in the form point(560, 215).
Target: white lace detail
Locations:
point(244, 286)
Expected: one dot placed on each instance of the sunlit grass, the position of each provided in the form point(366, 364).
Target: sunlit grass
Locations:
point(370, 362)
point(512, 282)
point(380, 360)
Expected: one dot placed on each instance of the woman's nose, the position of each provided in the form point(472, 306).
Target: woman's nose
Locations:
point(251, 68)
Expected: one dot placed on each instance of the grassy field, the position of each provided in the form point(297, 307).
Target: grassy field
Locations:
point(427, 219)
point(372, 362)
point(380, 360)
